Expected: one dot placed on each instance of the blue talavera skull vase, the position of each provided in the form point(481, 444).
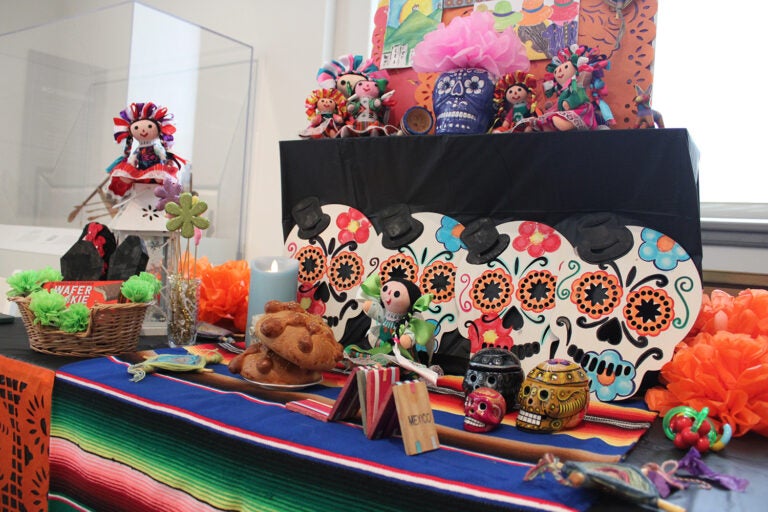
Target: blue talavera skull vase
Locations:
point(463, 101)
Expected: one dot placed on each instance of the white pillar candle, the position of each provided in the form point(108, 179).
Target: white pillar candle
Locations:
point(272, 278)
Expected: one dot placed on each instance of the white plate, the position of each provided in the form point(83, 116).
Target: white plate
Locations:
point(284, 387)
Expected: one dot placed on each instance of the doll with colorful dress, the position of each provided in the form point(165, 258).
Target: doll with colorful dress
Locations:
point(327, 112)
point(146, 132)
point(394, 308)
point(514, 99)
point(367, 107)
point(565, 79)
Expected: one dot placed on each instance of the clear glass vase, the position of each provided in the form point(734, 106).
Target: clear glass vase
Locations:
point(183, 299)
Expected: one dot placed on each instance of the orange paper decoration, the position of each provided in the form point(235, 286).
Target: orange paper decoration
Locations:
point(723, 364)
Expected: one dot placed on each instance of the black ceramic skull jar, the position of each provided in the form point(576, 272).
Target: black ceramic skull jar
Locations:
point(498, 369)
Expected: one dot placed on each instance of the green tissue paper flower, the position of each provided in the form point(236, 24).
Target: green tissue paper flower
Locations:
point(75, 318)
point(28, 281)
point(152, 279)
point(49, 274)
point(141, 288)
point(186, 215)
point(23, 283)
point(47, 307)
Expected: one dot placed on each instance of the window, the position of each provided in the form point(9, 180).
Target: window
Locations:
point(707, 79)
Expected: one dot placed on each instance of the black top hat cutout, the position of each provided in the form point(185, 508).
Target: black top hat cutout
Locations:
point(600, 238)
point(310, 217)
point(398, 227)
point(483, 241)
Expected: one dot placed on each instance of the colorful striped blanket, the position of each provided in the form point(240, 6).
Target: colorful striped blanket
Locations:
point(213, 441)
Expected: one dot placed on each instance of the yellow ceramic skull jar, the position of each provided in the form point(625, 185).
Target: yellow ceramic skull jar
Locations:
point(554, 396)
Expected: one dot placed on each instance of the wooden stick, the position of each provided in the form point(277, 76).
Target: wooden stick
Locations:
point(79, 207)
point(668, 507)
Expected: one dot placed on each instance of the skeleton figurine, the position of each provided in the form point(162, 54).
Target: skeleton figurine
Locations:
point(463, 101)
point(554, 397)
point(495, 368)
point(484, 408)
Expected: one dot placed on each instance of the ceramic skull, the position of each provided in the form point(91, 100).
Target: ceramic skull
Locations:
point(463, 101)
point(484, 408)
point(495, 368)
point(554, 396)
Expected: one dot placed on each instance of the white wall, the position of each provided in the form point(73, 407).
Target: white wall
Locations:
point(288, 40)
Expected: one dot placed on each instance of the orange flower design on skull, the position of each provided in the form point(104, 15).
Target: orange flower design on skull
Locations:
point(345, 271)
point(399, 265)
point(649, 311)
point(439, 279)
point(492, 291)
point(536, 291)
point(311, 264)
point(536, 239)
point(596, 293)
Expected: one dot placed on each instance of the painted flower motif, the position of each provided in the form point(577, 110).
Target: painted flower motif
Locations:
point(492, 291)
point(596, 294)
point(474, 85)
point(399, 265)
point(444, 85)
point(649, 311)
point(185, 215)
point(536, 239)
point(354, 227)
point(168, 191)
point(312, 264)
point(307, 300)
point(449, 234)
point(609, 375)
point(664, 252)
point(491, 334)
point(345, 271)
point(536, 291)
point(439, 279)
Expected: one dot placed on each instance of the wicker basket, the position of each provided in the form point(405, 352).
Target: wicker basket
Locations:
point(112, 329)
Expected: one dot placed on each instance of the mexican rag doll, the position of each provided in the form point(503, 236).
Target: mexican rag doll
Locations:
point(368, 107)
point(514, 99)
point(146, 132)
point(394, 312)
point(326, 111)
point(568, 76)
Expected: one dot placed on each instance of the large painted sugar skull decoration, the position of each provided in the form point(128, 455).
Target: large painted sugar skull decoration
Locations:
point(553, 397)
point(471, 55)
point(484, 408)
point(463, 101)
point(495, 368)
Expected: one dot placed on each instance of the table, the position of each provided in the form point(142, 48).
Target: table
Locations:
point(251, 462)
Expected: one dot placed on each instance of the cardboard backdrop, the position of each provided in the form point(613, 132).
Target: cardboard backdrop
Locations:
point(626, 39)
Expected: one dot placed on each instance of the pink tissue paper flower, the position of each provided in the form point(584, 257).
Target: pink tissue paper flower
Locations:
point(471, 42)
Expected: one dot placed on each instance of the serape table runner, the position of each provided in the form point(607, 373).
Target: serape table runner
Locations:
point(214, 441)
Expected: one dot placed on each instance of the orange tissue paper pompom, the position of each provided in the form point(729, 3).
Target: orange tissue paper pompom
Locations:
point(745, 313)
point(224, 292)
point(725, 371)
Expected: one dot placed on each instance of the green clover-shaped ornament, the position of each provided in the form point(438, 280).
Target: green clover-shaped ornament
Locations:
point(186, 215)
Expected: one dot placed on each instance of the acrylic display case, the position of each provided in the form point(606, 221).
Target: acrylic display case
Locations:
point(63, 82)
